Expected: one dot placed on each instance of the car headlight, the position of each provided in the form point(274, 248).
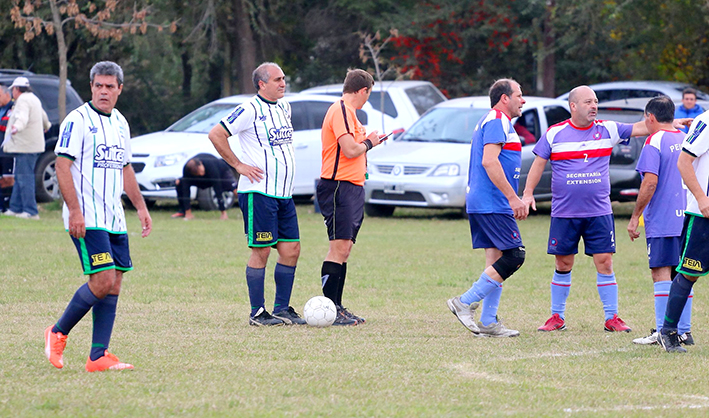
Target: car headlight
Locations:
point(449, 170)
point(171, 159)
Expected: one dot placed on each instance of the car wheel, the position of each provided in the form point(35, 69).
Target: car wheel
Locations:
point(46, 184)
point(378, 210)
point(207, 200)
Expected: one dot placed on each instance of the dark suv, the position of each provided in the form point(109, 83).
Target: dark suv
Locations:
point(46, 87)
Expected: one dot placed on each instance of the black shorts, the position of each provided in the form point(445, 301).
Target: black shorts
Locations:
point(695, 251)
point(342, 206)
point(7, 165)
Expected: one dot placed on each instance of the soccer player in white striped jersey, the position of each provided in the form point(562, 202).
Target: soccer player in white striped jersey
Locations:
point(263, 126)
point(93, 170)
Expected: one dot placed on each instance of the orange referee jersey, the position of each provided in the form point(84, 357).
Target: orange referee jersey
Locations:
point(341, 119)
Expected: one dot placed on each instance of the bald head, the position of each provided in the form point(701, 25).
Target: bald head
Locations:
point(583, 105)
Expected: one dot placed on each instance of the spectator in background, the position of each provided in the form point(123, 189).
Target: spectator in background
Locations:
point(204, 171)
point(24, 139)
point(7, 179)
point(689, 108)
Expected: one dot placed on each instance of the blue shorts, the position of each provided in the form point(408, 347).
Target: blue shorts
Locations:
point(342, 206)
point(695, 251)
point(101, 250)
point(663, 251)
point(598, 234)
point(494, 230)
point(268, 220)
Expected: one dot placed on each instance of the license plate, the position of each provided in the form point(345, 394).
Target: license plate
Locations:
point(394, 189)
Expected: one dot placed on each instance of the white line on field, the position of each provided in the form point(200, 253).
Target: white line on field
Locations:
point(566, 354)
point(466, 370)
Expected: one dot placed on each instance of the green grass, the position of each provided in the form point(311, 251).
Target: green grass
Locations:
point(182, 322)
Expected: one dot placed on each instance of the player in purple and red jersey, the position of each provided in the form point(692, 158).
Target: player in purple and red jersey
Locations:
point(493, 205)
point(662, 200)
point(580, 150)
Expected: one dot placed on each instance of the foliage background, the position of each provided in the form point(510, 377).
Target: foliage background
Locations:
point(460, 46)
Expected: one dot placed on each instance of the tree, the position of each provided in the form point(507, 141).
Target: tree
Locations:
point(53, 17)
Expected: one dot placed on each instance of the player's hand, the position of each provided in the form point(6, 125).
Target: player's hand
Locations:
point(530, 201)
point(254, 174)
point(146, 222)
point(521, 210)
point(633, 228)
point(678, 123)
point(374, 137)
point(77, 225)
point(704, 206)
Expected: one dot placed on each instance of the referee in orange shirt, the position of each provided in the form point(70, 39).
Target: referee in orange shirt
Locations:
point(340, 192)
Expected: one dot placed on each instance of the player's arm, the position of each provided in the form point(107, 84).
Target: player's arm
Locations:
point(686, 170)
point(533, 178)
point(220, 138)
point(353, 149)
point(130, 186)
point(77, 224)
point(495, 172)
point(647, 191)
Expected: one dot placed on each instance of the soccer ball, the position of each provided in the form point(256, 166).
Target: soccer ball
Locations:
point(319, 312)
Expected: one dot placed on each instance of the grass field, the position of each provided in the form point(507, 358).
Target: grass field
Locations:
point(182, 322)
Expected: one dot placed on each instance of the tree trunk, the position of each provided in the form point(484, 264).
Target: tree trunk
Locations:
point(61, 45)
point(546, 64)
point(247, 46)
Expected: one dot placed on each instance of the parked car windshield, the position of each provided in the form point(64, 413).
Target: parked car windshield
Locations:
point(424, 97)
point(203, 119)
point(445, 124)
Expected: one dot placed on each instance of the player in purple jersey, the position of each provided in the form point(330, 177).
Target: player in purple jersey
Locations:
point(580, 150)
point(662, 199)
point(493, 206)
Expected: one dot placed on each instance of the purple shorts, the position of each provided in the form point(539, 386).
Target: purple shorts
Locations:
point(663, 251)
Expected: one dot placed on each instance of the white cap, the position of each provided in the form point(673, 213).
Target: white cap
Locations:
point(20, 82)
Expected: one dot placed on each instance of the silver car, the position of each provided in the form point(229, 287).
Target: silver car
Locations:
point(427, 166)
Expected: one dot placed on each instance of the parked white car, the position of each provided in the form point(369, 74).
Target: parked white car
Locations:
point(404, 101)
point(427, 166)
point(617, 90)
point(159, 157)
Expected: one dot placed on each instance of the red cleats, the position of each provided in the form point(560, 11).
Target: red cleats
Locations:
point(554, 323)
point(107, 362)
point(54, 343)
point(616, 324)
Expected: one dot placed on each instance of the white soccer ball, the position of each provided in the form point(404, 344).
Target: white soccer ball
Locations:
point(319, 312)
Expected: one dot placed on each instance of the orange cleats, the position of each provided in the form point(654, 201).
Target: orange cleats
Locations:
point(107, 362)
point(54, 343)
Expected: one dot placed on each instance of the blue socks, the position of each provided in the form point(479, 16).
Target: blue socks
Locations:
point(679, 293)
point(254, 281)
point(284, 277)
point(480, 289)
point(490, 304)
point(560, 287)
point(104, 314)
point(608, 292)
point(79, 305)
point(662, 292)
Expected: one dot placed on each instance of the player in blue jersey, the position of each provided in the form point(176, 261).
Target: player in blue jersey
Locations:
point(662, 201)
point(693, 164)
point(493, 205)
point(267, 165)
point(93, 170)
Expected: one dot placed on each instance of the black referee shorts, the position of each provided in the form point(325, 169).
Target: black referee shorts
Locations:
point(342, 206)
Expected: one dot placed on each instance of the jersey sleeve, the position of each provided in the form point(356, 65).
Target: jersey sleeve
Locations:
point(697, 141)
point(240, 119)
point(494, 132)
point(622, 132)
point(649, 160)
point(344, 122)
point(543, 147)
point(71, 136)
point(125, 131)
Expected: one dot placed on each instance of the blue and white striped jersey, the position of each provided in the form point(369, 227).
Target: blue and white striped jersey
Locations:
point(99, 146)
point(265, 134)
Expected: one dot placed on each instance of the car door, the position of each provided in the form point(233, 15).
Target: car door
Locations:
point(307, 117)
